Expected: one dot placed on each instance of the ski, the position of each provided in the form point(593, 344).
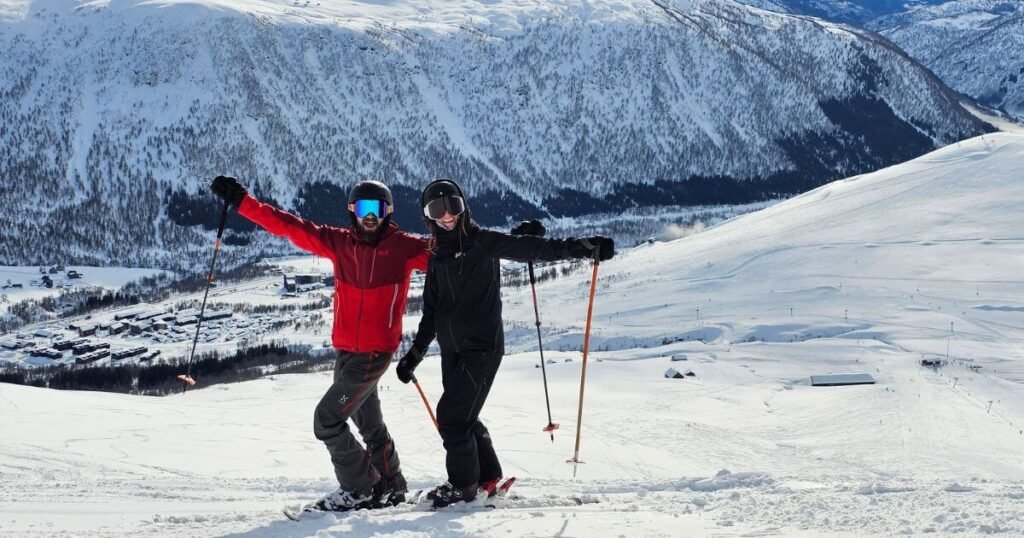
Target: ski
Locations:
point(492, 490)
point(492, 496)
point(499, 497)
point(514, 502)
point(297, 513)
point(502, 490)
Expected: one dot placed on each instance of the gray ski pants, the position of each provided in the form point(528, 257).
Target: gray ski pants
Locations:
point(354, 395)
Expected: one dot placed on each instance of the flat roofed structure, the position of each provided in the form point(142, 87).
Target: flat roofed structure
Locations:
point(836, 380)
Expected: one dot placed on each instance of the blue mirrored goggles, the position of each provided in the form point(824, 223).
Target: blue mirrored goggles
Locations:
point(363, 208)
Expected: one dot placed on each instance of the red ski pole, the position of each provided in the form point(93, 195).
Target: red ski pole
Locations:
point(426, 403)
point(583, 377)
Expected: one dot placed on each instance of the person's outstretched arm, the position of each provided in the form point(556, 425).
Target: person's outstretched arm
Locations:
point(301, 232)
point(525, 248)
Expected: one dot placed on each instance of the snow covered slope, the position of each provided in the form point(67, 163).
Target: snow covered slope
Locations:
point(853, 12)
point(117, 114)
point(866, 275)
point(974, 46)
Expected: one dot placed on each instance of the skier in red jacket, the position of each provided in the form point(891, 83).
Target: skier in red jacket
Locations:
point(373, 261)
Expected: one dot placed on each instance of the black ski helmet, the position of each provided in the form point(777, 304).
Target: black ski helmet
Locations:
point(370, 190)
point(439, 188)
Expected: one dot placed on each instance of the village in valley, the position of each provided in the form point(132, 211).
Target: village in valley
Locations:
point(163, 331)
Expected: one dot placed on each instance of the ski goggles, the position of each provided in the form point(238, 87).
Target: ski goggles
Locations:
point(435, 209)
point(377, 208)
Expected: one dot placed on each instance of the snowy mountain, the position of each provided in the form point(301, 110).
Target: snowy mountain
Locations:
point(974, 46)
point(870, 275)
point(115, 115)
point(856, 12)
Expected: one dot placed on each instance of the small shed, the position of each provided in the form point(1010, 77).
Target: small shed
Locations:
point(150, 314)
point(219, 314)
point(187, 320)
point(836, 380)
point(672, 373)
point(129, 314)
point(45, 333)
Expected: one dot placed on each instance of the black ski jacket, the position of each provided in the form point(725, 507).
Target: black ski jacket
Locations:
point(462, 293)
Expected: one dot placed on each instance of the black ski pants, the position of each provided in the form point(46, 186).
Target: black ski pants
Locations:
point(354, 395)
point(467, 379)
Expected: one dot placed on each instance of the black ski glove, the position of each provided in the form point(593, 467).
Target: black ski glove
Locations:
point(529, 227)
point(229, 189)
point(584, 248)
point(408, 363)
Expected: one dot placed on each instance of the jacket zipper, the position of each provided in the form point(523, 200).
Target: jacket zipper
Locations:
point(359, 316)
point(450, 287)
point(362, 291)
point(451, 332)
point(391, 311)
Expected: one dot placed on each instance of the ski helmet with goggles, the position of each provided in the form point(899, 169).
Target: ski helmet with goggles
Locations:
point(368, 197)
point(443, 196)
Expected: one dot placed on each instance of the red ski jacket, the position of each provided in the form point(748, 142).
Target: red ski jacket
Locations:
point(371, 282)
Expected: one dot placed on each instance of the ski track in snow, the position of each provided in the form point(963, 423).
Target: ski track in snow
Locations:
point(718, 504)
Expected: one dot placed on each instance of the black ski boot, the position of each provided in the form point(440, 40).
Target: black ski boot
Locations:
point(343, 500)
point(446, 494)
point(391, 492)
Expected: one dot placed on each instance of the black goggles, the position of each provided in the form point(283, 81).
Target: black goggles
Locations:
point(435, 209)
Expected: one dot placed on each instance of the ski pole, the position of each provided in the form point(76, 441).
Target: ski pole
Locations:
point(426, 403)
point(551, 427)
point(583, 377)
point(186, 378)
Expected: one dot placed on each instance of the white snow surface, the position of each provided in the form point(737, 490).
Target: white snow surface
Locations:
point(109, 278)
point(866, 275)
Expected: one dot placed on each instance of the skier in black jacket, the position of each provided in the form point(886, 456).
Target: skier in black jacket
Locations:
point(462, 309)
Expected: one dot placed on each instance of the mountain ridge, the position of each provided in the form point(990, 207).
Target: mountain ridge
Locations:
point(538, 109)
